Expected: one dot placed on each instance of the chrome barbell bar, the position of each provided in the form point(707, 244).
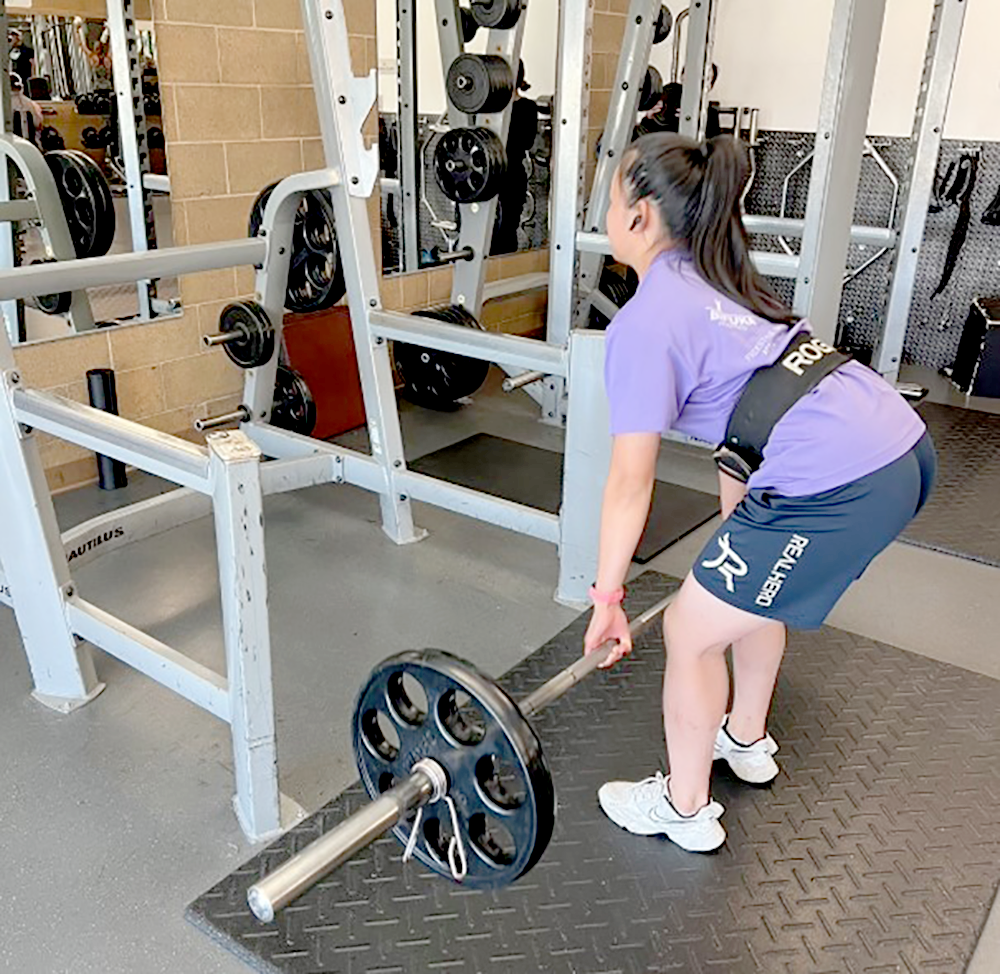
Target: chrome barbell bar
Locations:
point(321, 857)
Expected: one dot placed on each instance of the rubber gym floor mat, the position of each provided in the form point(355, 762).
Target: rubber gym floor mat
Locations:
point(877, 849)
point(532, 476)
point(962, 516)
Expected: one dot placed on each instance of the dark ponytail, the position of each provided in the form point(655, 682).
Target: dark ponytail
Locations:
point(696, 189)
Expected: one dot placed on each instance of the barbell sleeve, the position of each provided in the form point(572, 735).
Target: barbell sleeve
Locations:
point(290, 880)
point(306, 868)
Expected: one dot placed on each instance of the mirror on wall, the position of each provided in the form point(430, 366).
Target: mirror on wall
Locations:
point(434, 218)
point(113, 188)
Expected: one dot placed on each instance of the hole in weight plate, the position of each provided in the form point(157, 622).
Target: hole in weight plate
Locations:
point(380, 735)
point(492, 840)
point(408, 698)
point(386, 781)
point(500, 783)
point(438, 837)
point(461, 718)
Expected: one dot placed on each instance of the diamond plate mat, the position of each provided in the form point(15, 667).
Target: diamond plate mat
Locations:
point(877, 849)
point(962, 516)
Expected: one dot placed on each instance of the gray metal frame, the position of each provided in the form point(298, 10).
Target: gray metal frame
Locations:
point(126, 66)
point(701, 23)
point(410, 171)
point(637, 44)
point(928, 132)
point(855, 33)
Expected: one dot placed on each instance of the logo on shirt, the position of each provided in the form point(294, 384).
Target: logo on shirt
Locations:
point(730, 564)
point(782, 568)
point(805, 355)
point(728, 318)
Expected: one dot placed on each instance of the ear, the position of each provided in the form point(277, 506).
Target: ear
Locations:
point(639, 217)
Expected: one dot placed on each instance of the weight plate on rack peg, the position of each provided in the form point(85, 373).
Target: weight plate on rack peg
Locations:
point(469, 24)
point(294, 408)
point(256, 344)
point(480, 83)
point(470, 164)
point(496, 14)
point(315, 275)
point(437, 379)
point(430, 704)
point(664, 24)
point(86, 200)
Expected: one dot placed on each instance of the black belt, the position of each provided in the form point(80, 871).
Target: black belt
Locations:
point(770, 393)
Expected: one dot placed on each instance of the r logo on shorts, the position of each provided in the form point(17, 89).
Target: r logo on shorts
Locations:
point(730, 564)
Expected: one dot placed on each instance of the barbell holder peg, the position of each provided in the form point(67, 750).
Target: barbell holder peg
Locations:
point(209, 423)
point(452, 256)
point(224, 338)
point(520, 381)
point(322, 856)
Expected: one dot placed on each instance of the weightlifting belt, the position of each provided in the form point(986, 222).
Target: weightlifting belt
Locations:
point(769, 394)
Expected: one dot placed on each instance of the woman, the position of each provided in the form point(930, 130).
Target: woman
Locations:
point(844, 470)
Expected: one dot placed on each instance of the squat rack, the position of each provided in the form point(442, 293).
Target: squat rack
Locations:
point(227, 477)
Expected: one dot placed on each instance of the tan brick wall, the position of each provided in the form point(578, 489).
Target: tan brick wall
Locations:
point(238, 113)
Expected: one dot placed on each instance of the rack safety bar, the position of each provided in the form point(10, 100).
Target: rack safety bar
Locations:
point(512, 350)
point(77, 275)
point(158, 453)
point(788, 227)
point(770, 265)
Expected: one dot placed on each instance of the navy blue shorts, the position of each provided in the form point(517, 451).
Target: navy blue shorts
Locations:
point(791, 558)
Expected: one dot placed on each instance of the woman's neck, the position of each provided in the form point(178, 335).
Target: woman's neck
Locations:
point(646, 260)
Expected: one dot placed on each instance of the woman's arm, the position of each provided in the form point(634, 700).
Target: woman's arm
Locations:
point(731, 492)
point(627, 496)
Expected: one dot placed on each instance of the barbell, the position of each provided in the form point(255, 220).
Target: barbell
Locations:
point(431, 728)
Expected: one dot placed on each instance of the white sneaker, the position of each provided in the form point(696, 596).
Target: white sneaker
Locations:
point(643, 807)
point(753, 763)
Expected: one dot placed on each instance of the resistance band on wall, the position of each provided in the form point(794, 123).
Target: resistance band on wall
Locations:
point(956, 187)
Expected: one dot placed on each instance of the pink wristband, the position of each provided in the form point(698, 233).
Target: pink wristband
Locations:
point(606, 598)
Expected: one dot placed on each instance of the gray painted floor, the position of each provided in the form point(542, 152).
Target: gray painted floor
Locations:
point(114, 818)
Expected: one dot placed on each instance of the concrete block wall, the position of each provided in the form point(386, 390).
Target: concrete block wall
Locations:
point(238, 113)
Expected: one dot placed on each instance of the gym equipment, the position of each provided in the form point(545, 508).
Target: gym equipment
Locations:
point(496, 14)
point(246, 334)
point(977, 363)
point(437, 379)
point(458, 737)
point(53, 304)
point(652, 89)
point(294, 408)
point(664, 24)
point(469, 164)
point(469, 24)
point(316, 275)
point(86, 199)
point(90, 138)
point(155, 139)
point(480, 83)
point(51, 139)
point(616, 287)
point(103, 395)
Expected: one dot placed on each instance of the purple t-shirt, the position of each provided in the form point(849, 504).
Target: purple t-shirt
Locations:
point(680, 353)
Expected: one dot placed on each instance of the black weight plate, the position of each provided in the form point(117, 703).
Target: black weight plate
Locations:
point(82, 199)
point(664, 24)
point(480, 83)
point(652, 89)
point(430, 704)
point(470, 164)
point(294, 408)
point(315, 274)
point(154, 138)
point(53, 304)
point(469, 25)
point(497, 14)
point(436, 379)
point(106, 220)
point(256, 346)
